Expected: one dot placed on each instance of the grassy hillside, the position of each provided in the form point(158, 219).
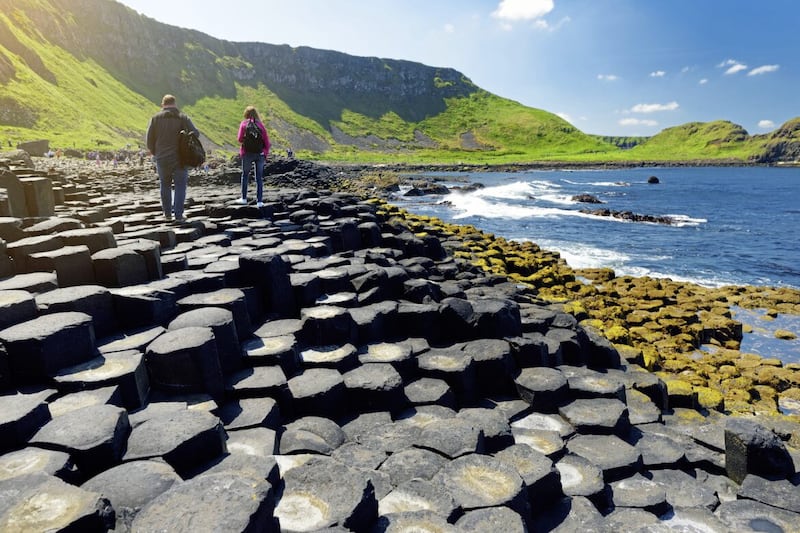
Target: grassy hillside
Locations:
point(479, 128)
point(82, 106)
point(697, 140)
point(88, 74)
point(79, 104)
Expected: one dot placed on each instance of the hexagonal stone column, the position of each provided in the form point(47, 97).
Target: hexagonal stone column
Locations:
point(545, 389)
point(96, 239)
point(94, 436)
point(325, 493)
point(39, 502)
point(119, 267)
point(131, 486)
point(40, 347)
point(750, 448)
point(22, 415)
point(480, 481)
point(185, 439)
point(327, 324)
point(225, 501)
point(374, 387)
point(318, 391)
point(221, 322)
point(231, 299)
point(185, 360)
point(124, 369)
point(16, 306)
point(72, 265)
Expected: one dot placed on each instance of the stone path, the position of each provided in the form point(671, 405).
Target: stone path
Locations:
point(317, 365)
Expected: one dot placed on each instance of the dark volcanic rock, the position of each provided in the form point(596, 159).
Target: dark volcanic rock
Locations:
point(325, 493)
point(630, 216)
point(750, 448)
point(22, 415)
point(39, 502)
point(94, 436)
point(586, 199)
point(131, 486)
point(184, 439)
point(212, 502)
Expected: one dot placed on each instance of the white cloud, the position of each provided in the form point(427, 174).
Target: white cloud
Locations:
point(703, 81)
point(654, 108)
point(766, 124)
point(637, 122)
point(733, 66)
point(736, 68)
point(513, 10)
point(544, 25)
point(449, 28)
point(565, 116)
point(607, 77)
point(658, 74)
point(764, 69)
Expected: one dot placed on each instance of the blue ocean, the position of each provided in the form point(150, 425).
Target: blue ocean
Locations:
point(731, 225)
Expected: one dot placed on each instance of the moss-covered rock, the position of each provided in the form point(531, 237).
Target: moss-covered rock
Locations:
point(785, 335)
point(708, 398)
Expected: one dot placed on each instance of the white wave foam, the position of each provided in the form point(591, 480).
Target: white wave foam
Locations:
point(599, 183)
point(519, 190)
point(468, 205)
point(557, 199)
point(580, 255)
point(686, 220)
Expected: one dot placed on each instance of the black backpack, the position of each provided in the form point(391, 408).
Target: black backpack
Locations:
point(253, 141)
point(190, 149)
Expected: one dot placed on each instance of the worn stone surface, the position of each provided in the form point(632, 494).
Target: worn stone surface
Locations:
point(40, 502)
point(131, 486)
point(94, 436)
point(211, 502)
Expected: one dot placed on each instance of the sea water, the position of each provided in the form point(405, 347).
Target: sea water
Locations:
point(731, 225)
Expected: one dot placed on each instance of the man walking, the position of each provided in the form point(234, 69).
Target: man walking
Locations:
point(162, 141)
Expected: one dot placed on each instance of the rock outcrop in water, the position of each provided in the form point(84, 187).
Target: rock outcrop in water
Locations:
point(629, 216)
point(324, 362)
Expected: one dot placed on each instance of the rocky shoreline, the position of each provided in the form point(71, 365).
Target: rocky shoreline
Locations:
point(331, 362)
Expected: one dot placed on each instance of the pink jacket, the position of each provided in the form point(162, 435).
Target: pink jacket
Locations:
point(242, 128)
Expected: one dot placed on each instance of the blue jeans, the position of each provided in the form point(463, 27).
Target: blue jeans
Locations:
point(170, 172)
point(247, 162)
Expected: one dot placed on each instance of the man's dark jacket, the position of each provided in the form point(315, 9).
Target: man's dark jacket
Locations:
point(163, 130)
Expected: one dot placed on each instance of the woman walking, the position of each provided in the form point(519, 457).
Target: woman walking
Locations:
point(253, 151)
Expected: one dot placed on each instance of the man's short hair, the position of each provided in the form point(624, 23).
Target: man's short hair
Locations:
point(167, 100)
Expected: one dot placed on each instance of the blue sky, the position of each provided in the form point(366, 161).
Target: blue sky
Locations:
point(611, 67)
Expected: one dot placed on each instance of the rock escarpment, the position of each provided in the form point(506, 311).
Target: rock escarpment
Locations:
point(321, 363)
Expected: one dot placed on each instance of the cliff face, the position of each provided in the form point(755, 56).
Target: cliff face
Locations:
point(367, 85)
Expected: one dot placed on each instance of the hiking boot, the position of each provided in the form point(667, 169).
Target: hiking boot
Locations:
point(260, 204)
point(241, 201)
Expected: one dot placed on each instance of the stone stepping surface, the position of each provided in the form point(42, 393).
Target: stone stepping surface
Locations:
point(320, 365)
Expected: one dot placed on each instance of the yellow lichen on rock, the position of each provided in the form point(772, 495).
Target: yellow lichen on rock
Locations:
point(785, 335)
